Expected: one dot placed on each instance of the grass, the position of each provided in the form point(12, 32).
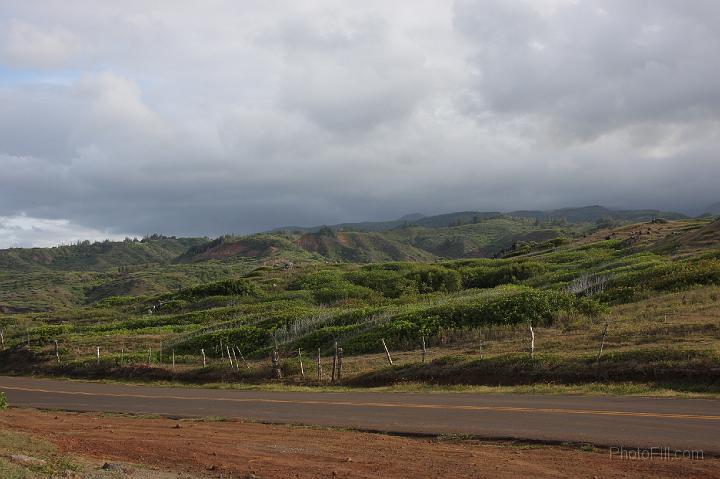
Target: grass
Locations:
point(12, 443)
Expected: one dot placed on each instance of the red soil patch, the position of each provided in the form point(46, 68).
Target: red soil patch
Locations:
point(235, 449)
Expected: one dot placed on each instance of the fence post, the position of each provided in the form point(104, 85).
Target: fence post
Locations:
point(173, 358)
point(203, 355)
point(242, 357)
point(532, 342)
point(229, 357)
point(424, 351)
point(387, 351)
point(340, 361)
point(57, 351)
point(602, 345)
point(237, 365)
point(302, 369)
point(277, 373)
point(149, 356)
point(2, 338)
point(332, 376)
point(319, 366)
point(222, 353)
point(98, 354)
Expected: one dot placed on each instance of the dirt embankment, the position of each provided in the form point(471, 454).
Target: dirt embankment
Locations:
point(236, 449)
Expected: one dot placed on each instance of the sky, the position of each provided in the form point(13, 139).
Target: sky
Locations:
point(206, 118)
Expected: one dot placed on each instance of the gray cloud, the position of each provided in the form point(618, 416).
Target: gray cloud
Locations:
point(240, 117)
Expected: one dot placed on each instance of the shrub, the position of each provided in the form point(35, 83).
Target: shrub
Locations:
point(490, 277)
point(3, 401)
point(248, 338)
point(342, 291)
point(394, 280)
point(432, 279)
point(510, 308)
point(230, 287)
point(390, 283)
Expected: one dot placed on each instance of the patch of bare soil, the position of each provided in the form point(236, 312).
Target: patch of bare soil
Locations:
point(235, 449)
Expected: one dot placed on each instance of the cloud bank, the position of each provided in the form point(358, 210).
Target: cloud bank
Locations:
point(192, 119)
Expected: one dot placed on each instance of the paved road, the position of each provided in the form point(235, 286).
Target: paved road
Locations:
point(608, 421)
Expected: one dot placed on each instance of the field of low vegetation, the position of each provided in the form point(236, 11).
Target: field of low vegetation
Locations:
point(607, 302)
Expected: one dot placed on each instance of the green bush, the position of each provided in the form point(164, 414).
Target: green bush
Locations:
point(48, 333)
point(230, 287)
point(248, 338)
point(511, 307)
point(342, 291)
point(3, 401)
point(629, 285)
point(394, 280)
point(490, 277)
point(433, 279)
point(390, 283)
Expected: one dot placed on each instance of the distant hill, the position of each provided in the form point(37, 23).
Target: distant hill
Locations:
point(361, 247)
point(591, 214)
point(413, 237)
point(98, 256)
point(259, 246)
point(585, 214)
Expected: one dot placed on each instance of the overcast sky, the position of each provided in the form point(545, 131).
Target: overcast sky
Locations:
point(222, 116)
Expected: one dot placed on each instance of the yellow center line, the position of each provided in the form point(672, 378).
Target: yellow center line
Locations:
point(380, 404)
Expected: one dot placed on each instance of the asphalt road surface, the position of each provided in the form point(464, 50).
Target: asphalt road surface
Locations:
point(679, 424)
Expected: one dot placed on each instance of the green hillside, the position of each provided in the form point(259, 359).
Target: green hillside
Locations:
point(98, 256)
point(310, 290)
point(586, 214)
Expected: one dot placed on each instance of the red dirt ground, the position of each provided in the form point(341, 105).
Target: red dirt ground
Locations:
point(231, 449)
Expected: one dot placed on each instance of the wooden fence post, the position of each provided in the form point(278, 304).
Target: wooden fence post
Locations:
point(532, 342)
point(229, 357)
point(302, 369)
point(2, 338)
point(237, 365)
point(424, 351)
point(98, 354)
point(387, 351)
point(340, 361)
point(242, 357)
point(122, 356)
point(173, 358)
point(149, 356)
point(57, 351)
point(602, 345)
point(332, 376)
point(277, 373)
point(319, 366)
point(203, 355)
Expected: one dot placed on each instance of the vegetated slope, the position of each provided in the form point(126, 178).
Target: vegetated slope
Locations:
point(478, 237)
point(263, 246)
point(310, 305)
point(361, 247)
point(98, 256)
point(592, 214)
point(483, 238)
point(707, 236)
point(586, 214)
